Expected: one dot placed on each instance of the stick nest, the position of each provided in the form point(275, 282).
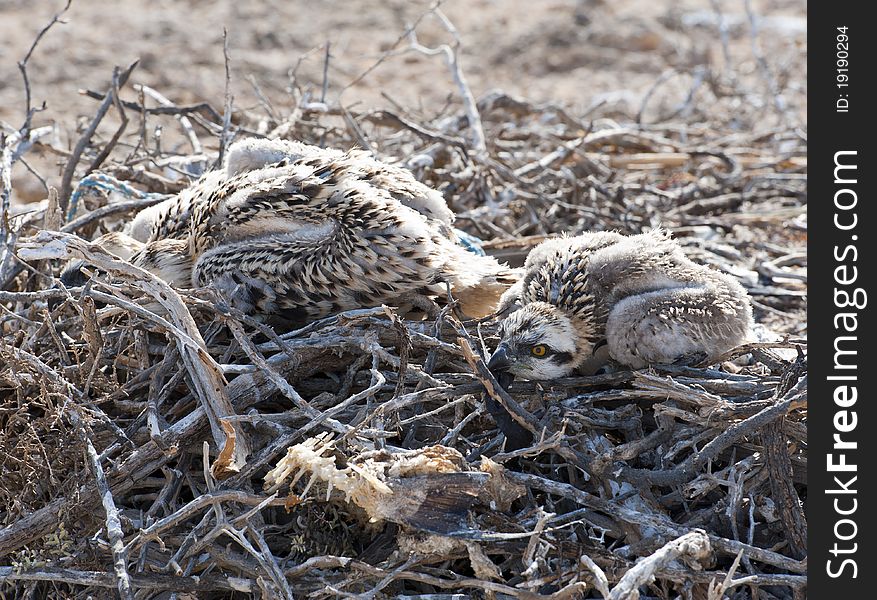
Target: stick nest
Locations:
point(137, 442)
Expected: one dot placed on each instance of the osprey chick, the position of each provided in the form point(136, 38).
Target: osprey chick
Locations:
point(294, 231)
point(637, 298)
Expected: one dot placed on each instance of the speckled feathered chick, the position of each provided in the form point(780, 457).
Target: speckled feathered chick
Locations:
point(637, 298)
point(295, 231)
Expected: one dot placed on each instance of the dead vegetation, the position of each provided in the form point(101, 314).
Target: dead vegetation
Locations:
point(157, 444)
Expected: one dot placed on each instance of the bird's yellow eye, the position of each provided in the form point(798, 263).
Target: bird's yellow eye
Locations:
point(539, 350)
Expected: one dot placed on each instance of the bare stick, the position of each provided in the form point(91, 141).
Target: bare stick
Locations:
point(451, 55)
point(795, 398)
point(22, 66)
point(772, 86)
point(515, 410)
point(225, 136)
point(692, 546)
point(392, 48)
point(601, 582)
point(114, 526)
point(781, 481)
point(6, 240)
point(185, 123)
point(109, 210)
point(12, 148)
point(325, 87)
point(665, 76)
point(108, 147)
point(285, 388)
point(85, 139)
point(152, 581)
point(204, 108)
point(188, 510)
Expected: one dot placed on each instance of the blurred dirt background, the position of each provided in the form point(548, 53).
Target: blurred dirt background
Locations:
point(590, 56)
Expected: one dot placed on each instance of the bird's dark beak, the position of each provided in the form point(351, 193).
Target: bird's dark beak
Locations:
point(72, 275)
point(500, 361)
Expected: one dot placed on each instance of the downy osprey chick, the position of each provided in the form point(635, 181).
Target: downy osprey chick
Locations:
point(638, 299)
point(294, 231)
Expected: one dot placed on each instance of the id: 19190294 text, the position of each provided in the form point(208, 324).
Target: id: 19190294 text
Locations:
point(842, 60)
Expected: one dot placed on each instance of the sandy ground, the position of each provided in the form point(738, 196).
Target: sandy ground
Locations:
point(575, 53)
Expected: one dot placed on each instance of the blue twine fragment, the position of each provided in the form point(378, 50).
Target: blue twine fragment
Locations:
point(470, 242)
point(107, 183)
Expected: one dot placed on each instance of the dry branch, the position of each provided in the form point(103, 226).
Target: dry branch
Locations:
point(114, 526)
point(692, 546)
point(205, 374)
point(120, 78)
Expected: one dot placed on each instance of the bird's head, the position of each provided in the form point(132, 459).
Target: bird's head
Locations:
point(539, 342)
